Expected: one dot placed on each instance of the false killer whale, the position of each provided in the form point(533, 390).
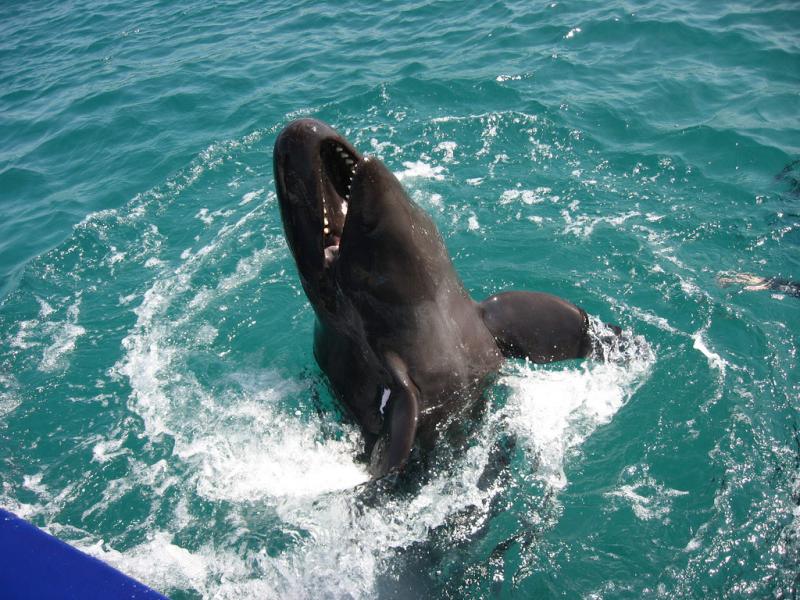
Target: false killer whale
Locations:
point(404, 346)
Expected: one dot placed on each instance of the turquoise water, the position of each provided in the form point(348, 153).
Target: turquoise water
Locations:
point(160, 406)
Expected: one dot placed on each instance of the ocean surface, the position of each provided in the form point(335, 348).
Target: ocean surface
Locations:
point(160, 406)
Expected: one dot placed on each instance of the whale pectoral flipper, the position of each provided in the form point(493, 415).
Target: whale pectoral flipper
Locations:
point(402, 413)
point(402, 428)
point(537, 326)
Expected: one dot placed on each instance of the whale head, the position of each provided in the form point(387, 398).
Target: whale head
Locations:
point(356, 236)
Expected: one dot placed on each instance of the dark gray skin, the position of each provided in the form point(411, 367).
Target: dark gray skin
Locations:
point(392, 313)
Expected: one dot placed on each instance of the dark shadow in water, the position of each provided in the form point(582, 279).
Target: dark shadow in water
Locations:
point(463, 556)
point(791, 175)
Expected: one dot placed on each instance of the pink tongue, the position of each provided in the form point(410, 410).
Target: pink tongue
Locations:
point(331, 252)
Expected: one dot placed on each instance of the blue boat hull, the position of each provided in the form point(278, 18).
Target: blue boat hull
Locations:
point(34, 564)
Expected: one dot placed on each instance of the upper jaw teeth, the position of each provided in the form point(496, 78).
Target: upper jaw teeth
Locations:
point(347, 156)
point(350, 161)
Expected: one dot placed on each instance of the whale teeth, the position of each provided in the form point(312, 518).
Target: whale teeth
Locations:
point(326, 231)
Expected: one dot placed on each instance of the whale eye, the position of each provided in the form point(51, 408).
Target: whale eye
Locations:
point(370, 227)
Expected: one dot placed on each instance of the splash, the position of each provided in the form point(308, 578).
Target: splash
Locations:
point(242, 446)
point(554, 410)
point(420, 169)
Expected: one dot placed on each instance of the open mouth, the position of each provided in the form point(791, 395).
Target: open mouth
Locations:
point(339, 164)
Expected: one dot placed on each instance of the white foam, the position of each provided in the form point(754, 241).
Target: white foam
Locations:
point(689, 288)
point(152, 356)
point(247, 269)
point(714, 360)
point(381, 148)
point(8, 398)
point(449, 149)
point(240, 441)
point(650, 318)
point(146, 362)
point(489, 133)
point(116, 256)
point(554, 410)
point(250, 196)
point(204, 216)
point(164, 565)
point(536, 196)
point(420, 169)
point(106, 449)
point(63, 345)
point(254, 451)
point(551, 412)
point(206, 334)
point(647, 498)
point(503, 78)
point(244, 447)
point(65, 335)
point(20, 339)
point(584, 225)
point(694, 544)
point(45, 310)
point(352, 545)
point(10, 503)
point(34, 483)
